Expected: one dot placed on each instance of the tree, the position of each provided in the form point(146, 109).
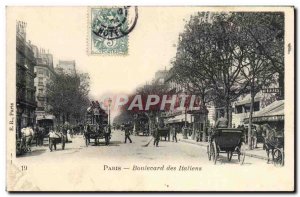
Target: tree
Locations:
point(209, 60)
point(68, 96)
point(265, 30)
point(264, 52)
point(191, 65)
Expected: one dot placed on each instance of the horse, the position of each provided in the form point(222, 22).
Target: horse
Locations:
point(270, 140)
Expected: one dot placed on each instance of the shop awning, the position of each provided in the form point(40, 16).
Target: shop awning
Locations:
point(271, 113)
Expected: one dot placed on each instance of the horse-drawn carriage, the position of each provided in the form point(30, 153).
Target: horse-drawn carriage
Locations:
point(226, 140)
point(274, 143)
point(94, 132)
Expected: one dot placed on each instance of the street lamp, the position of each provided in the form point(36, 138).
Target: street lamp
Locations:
point(109, 104)
point(185, 130)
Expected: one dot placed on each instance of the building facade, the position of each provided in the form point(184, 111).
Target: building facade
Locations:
point(44, 74)
point(25, 89)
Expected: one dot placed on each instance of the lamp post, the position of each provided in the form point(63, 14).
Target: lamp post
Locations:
point(109, 104)
point(185, 130)
point(185, 125)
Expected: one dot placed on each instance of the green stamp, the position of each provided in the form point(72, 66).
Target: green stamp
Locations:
point(110, 27)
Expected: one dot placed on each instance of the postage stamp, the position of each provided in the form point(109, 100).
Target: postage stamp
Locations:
point(109, 29)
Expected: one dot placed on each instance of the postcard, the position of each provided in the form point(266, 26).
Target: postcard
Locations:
point(147, 99)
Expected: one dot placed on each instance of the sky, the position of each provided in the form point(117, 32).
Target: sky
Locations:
point(152, 44)
point(64, 32)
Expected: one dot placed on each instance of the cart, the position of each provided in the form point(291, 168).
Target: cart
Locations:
point(59, 139)
point(229, 141)
point(278, 153)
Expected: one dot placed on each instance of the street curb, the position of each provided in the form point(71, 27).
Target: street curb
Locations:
point(205, 145)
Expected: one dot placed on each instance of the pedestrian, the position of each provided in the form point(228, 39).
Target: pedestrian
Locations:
point(37, 135)
point(184, 131)
point(190, 130)
point(127, 134)
point(69, 135)
point(52, 140)
point(89, 130)
point(254, 137)
point(245, 133)
point(41, 133)
point(156, 136)
point(106, 135)
point(174, 134)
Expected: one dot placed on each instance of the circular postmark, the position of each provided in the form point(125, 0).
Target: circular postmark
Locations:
point(113, 23)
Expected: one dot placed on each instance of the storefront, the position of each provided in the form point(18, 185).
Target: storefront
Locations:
point(273, 115)
point(179, 121)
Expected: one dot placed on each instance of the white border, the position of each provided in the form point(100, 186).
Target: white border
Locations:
point(4, 3)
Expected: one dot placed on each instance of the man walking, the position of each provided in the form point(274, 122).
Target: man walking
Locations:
point(52, 139)
point(174, 134)
point(156, 136)
point(254, 138)
point(127, 134)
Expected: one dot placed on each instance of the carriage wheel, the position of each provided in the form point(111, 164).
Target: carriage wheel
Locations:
point(242, 153)
point(209, 152)
point(229, 155)
point(215, 152)
point(278, 157)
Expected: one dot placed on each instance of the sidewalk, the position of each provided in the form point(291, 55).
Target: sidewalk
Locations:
point(258, 153)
